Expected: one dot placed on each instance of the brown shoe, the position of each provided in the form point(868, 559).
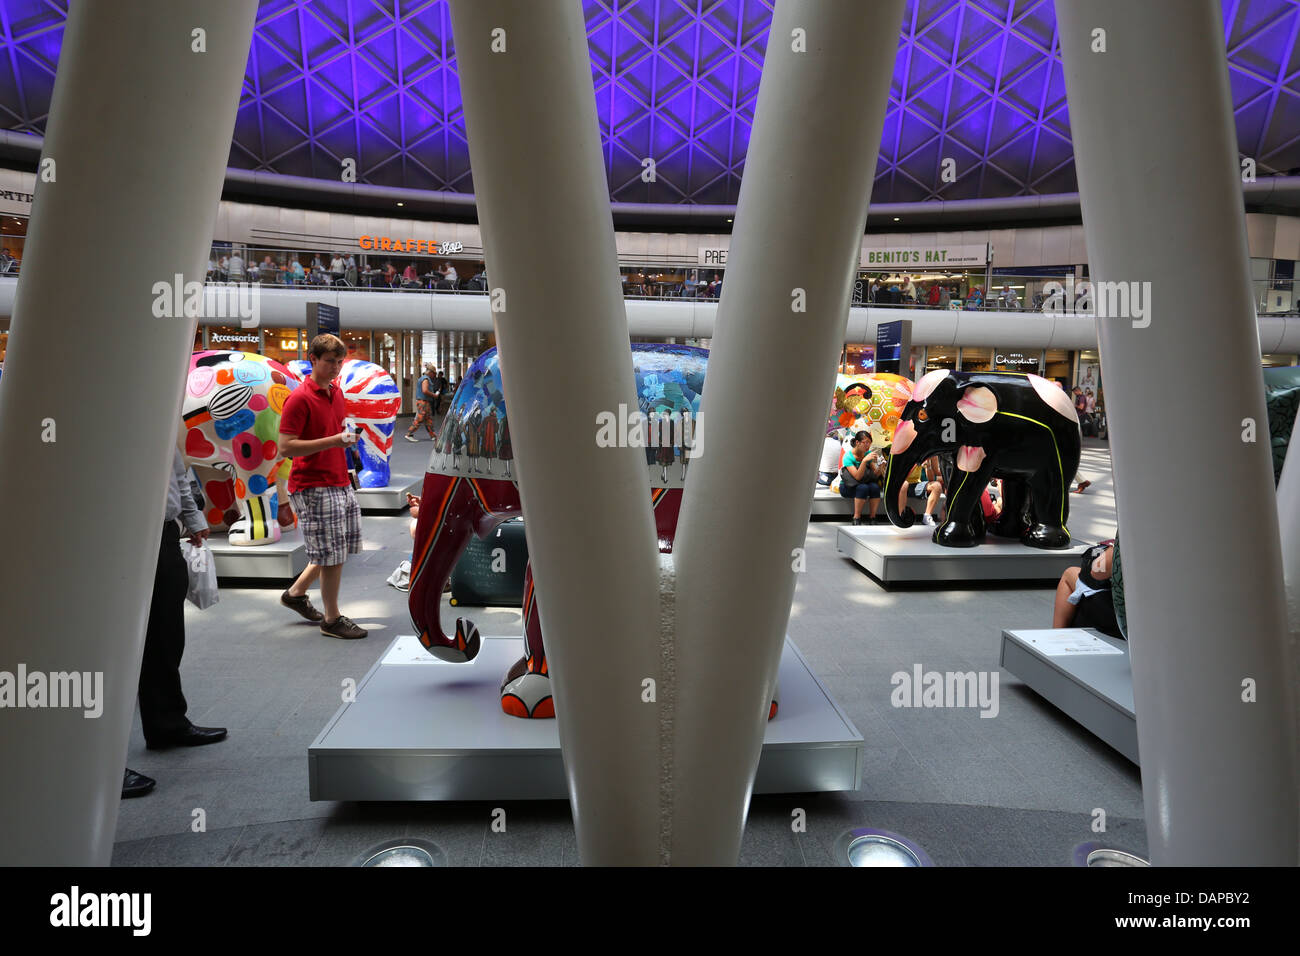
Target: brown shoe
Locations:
point(344, 629)
point(303, 606)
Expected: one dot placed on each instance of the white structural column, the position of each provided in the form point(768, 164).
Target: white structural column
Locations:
point(1288, 519)
point(134, 158)
point(530, 113)
point(794, 252)
point(1156, 152)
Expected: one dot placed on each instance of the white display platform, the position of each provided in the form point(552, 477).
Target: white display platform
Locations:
point(907, 555)
point(423, 729)
point(826, 503)
point(1082, 672)
point(392, 498)
point(282, 560)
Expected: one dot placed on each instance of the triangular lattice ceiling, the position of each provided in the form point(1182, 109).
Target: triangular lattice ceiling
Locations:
point(979, 81)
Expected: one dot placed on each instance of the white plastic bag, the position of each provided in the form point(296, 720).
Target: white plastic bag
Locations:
point(401, 578)
point(202, 592)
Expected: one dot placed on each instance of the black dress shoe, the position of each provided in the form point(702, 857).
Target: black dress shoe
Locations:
point(135, 784)
point(190, 737)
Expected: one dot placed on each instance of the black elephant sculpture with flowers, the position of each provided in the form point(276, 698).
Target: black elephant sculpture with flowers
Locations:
point(1020, 428)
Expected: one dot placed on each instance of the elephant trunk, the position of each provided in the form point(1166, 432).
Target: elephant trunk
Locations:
point(451, 509)
point(442, 532)
point(901, 461)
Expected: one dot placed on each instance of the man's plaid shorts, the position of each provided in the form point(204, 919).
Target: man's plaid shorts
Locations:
point(331, 523)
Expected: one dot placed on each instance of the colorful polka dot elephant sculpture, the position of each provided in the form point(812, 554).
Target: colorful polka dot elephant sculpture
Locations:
point(373, 402)
point(230, 434)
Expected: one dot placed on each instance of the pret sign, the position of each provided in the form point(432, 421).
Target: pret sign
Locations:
point(712, 257)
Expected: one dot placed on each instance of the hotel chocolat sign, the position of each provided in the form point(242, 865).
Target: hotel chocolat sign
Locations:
point(1015, 358)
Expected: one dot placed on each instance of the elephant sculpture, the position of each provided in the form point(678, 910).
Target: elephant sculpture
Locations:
point(1020, 428)
point(872, 403)
point(468, 489)
point(372, 401)
point(230, 435)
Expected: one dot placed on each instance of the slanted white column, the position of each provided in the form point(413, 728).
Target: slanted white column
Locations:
point(1156, 151)
point(134, 158)
point(530, 109)
point(795, 248)
point(1288, 520)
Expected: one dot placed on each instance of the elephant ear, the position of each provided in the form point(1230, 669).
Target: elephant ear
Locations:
point(977, 404)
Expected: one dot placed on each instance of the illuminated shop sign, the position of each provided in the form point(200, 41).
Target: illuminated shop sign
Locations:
point(429, 247)
point(930, 256)
point(221, 337)
point(1015, 358)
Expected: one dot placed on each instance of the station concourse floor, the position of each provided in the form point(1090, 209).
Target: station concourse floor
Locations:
point(1017, 789)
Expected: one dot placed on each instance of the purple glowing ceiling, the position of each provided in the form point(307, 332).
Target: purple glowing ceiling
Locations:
point(979, 81)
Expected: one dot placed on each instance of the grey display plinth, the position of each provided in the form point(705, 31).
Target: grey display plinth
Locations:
point(422, 729)
point(907, 555)
point(827, 503)
point(391, 498)
point(283, 560)
point(1082, 672)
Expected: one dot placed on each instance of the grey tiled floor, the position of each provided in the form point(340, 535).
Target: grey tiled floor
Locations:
point(1019, 789)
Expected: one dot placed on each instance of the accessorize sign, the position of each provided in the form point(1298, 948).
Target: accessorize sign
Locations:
point(430, 247)
point(928, 256)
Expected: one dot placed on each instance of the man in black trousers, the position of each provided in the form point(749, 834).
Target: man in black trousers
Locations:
point(162, 703)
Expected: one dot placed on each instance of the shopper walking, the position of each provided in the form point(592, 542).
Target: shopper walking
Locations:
point(426, 399)
point(312, 432)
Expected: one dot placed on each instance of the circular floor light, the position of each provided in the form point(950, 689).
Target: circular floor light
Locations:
point(866, 846)
point(1097, 854)
point(404, 852)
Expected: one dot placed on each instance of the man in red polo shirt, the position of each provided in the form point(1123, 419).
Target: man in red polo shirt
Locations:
point(313, 435)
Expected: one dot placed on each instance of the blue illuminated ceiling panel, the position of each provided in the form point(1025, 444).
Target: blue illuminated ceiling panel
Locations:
point(978, 81)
